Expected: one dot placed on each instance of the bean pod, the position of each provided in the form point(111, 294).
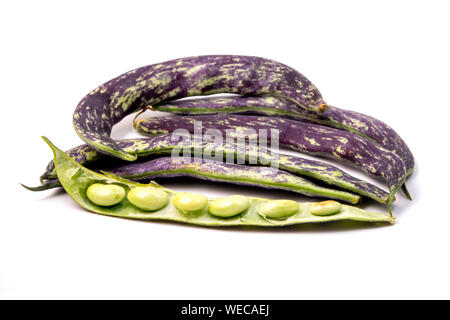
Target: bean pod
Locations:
point(204, 169)
point(351, 121)
point(163, 144)
point(258, 176)
point(309, 138)
point(105, 106)
point(77, 179)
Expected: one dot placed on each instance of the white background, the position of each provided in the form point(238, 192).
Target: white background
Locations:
point(389, 59)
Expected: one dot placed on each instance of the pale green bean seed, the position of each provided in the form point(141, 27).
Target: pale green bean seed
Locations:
point(325, 208)
point(148, 198)
point(105, 195)
point(279, 208)
point(189, 201)
point(229, 206)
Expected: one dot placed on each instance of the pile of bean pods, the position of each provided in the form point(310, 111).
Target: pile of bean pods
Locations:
point(102, 174)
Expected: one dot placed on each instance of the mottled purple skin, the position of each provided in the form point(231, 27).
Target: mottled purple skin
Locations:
point(265, 177)
point(162, 145)
point(105, 106)
point(305, 137)
point(364, 125)
point(210, 170)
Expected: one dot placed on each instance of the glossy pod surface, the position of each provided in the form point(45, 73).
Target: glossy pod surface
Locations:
point(76, 179)
point(109, 103)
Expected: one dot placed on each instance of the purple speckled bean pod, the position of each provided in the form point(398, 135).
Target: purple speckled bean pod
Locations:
point(105, 106)
point(364, 125)
point(210, 170)
point(305, 137)
point(163, 145)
